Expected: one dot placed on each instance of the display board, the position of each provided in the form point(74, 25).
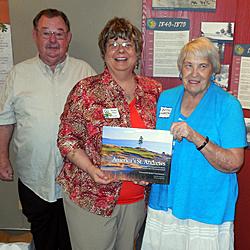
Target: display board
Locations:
point(6, 58)
point(170, 26)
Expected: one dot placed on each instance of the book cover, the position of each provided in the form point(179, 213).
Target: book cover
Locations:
point(136, 154)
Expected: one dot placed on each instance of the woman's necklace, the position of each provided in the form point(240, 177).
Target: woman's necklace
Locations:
point(128, 86)
point(130, 94)
point(129, 97)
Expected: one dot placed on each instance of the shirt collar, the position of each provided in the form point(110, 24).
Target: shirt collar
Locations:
point(46, 69)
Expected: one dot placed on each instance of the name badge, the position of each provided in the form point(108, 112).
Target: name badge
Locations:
point(165, 112)
point(111, 113)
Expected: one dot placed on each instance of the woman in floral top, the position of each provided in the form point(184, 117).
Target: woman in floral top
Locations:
point(102, 213)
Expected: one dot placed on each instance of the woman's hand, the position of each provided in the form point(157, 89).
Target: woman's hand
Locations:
point(79, 158)
point(181, 130)
point(227, 160)
point(98, 175)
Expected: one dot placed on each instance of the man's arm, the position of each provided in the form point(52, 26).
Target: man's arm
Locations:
point(6, 170)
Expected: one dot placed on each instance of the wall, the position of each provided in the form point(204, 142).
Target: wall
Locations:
point(87, 19)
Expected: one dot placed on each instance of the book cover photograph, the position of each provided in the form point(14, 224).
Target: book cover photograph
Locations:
point(136, 154)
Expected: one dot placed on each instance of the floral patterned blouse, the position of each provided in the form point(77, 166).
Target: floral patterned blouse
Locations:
point(81, 127)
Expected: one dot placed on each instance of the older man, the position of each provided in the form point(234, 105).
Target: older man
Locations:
point(30, 107)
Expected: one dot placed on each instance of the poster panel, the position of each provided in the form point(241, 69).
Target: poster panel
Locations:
point(6, 56)
point(241, 74)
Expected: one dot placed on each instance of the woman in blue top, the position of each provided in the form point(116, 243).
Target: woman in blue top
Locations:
point(196, 210)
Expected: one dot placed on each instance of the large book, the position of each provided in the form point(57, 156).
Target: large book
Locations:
point(136, 154)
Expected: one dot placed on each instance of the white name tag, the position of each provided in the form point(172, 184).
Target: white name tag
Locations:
point(111, 113)
point(165, 112)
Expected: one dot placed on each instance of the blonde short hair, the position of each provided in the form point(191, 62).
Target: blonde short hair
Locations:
point(200, 47)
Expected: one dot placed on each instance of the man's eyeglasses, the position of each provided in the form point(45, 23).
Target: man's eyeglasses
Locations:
point(115, 45)
point(46, 34)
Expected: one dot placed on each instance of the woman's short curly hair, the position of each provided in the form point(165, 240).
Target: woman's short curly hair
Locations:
point(200, 47)
point(120, 28)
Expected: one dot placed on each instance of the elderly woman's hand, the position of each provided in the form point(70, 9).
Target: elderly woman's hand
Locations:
point(181, 130)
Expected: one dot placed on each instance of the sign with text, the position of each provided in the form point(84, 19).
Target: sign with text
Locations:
point(168, 37)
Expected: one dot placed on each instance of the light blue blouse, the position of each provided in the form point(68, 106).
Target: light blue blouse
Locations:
point(197, 190)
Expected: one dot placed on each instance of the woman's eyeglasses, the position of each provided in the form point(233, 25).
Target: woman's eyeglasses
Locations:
point(125, 45)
